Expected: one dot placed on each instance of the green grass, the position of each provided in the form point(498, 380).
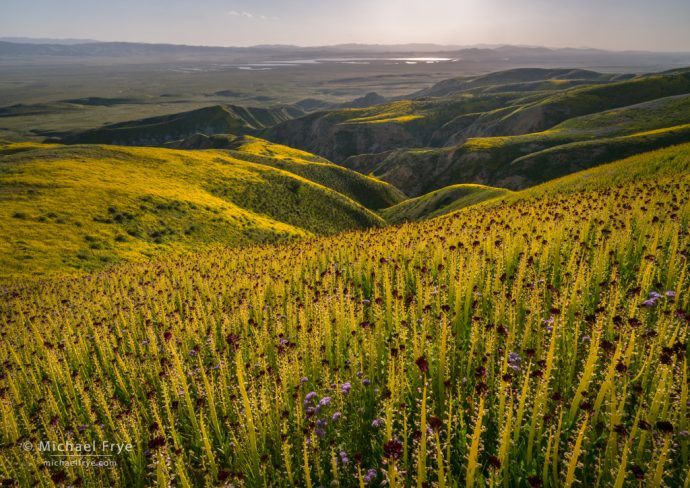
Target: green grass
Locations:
point(340, 133)
point(488, 129)
point(154, 131)
point(575, 102)
point(662, 163)
point(557, 161)
point(84, 207)
point(440, 202)
point(663, 112)
point(517, 162)
point(508, 344)
point(519, 79)
point(368, 191)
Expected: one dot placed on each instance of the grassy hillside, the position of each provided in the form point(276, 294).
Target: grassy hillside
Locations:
point(440, 202)
point(528, 79)
point(447, 113)
point(498, 129)
point(341, 133)
point(475, 130)
point(557, 161)
point(82, 207)
point(155, 131)
point(662, 112)
point(576, 102)
point(662, 163)
point(517, 162)
point(370, 192)
point(537, 342)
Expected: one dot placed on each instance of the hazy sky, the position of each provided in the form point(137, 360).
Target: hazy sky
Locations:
point(613, 24)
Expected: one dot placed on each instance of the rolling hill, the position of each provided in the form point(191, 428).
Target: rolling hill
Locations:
point(519, 161)
point(84, 207)
point(156, 131)
point(663, 164)
point(575, 102)
point(514, 162)
point(368, 191)
point(528, 79)
point(341, 133)
point(440, 202)
point(508, 129)
point(643, 165)
point(248, 189)
point(495, 104)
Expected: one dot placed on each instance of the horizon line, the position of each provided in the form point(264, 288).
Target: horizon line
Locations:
point(443, 47)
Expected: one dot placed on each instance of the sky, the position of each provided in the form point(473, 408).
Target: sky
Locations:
point(660, 25)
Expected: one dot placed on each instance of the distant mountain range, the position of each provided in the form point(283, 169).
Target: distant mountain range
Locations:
point(71, 48)
point(46, 40)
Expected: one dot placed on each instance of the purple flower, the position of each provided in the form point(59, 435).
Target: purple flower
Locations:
point(655, 297)
point(310, 396)
point(345, 388)
point(325, 401)
point(303, 379)
point(336, 416)
point(684, 433)
point(370, 475)
point(366, 382)
point(586, 338)
point(319, 432)
point(514, 361)
point(321, 423)
point(377, 423)
point(359, 374)
point(343, 457)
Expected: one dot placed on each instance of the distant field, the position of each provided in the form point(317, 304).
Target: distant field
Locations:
point(156, 89)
